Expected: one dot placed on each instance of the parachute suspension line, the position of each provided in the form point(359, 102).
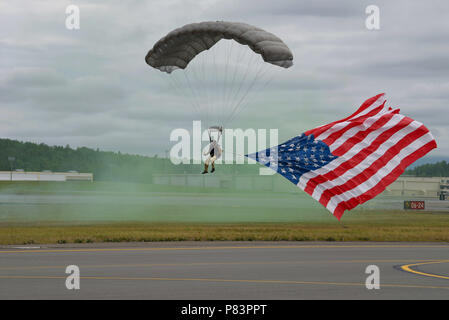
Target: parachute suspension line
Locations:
point(205, 82)
point(191, 89)
point(246, 92)
point(225, 80)
point(245, 80)
point(189, 95)
point(247, 101)
point(178, 89)
point(245, 75)
point(207, 99)
point(217, 56)
point(198, 81)
point(228, 98)
point(206, 86)
point(214, 98)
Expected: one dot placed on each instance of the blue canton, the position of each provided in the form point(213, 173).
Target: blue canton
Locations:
point(296, 156)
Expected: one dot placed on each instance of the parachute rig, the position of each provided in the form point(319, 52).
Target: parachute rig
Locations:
point(218, 130)
point(216, 78)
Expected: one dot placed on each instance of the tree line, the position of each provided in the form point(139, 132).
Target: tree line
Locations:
point(438, 169)
point(105, 165)
point(115, 166)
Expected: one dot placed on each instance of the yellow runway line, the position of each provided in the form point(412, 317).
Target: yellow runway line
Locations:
point(139, 265)
point(223, 248)
point(408, 268)
point(351, 284)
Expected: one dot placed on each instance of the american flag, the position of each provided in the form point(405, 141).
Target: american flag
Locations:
point(348, 162)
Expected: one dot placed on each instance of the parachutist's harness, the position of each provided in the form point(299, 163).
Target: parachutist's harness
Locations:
point(219, 129)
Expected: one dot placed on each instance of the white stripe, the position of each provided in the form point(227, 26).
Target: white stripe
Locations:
point(375, 104)
point(383, 172)
point(355, 149)
point(341, 125)
point(368, 161)
point(353, 131)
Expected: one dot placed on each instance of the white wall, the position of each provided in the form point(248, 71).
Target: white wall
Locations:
point(44, 176)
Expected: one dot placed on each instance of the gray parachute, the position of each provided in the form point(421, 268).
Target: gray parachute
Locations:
point(180, 46)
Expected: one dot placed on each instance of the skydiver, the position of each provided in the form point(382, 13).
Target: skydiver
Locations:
point(214, 153)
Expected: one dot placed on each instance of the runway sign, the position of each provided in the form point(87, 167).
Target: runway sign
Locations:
point(414, 205)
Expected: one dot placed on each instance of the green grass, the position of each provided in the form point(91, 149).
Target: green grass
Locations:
point(367, 226)
point(43, 213)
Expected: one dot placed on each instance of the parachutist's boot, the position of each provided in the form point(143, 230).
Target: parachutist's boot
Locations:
point(205, 169)
point(213, 168)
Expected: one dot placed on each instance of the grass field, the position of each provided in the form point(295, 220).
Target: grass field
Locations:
point(43, 213)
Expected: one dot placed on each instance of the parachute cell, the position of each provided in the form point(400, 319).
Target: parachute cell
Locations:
point(180, 46)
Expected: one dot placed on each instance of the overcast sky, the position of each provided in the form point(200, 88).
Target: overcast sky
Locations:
point(91, 87)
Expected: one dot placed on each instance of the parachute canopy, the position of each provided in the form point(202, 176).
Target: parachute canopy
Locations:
point(182, 45)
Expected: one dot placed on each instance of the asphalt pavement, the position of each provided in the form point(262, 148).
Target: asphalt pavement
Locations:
point(226, 270)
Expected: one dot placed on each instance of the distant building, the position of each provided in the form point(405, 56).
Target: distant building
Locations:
point(45, 176)
point(418, 186)
point(403, 186)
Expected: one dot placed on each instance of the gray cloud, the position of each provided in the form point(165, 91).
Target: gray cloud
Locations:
point(92, 88)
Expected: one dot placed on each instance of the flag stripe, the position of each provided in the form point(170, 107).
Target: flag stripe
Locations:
point(369, 140)
point(358, 160)
point(387, 180)
point(384, 171)
point(347, 162)
point(365, 107)
point(377, 110)
point(376, 164)
point(351, 124)
point(348, 140)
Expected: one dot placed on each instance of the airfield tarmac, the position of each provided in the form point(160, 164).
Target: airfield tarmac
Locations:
point(226, 270)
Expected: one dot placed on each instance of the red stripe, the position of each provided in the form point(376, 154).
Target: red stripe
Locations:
point(365, 105)
point(381, 162)
point(357, 158)
point(361, 135)
point(353, 123)
point(386, 181)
